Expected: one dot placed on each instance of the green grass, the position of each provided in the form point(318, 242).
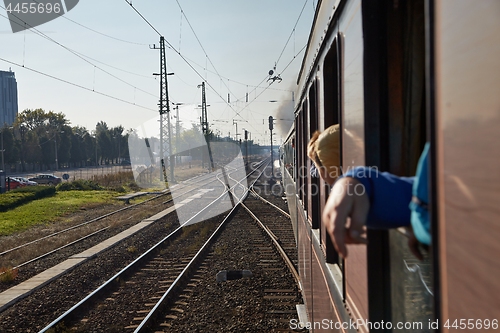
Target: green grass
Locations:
point(50, 209)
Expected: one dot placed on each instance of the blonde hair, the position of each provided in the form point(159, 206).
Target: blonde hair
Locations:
point(324, 149)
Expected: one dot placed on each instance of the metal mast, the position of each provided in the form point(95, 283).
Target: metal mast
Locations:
point(204, 118)
point(271, 127)
point(165, 134)
point(204, 124)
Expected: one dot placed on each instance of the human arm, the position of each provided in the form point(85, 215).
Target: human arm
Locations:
point(343, 203)
point(366, 197)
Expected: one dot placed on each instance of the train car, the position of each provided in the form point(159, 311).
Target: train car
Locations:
point(395, 74)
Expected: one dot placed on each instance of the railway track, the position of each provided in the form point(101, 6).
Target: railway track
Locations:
point(46, 251)
point(167, 261)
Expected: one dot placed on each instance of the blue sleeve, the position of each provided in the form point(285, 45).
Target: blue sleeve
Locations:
point(389, 197)
point(419, 205)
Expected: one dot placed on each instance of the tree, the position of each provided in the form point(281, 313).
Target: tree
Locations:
point(116, 134)
point(11, 149)
point(36, 128)
point(103, 141)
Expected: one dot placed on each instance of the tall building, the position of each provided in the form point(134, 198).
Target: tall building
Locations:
point(8, 98)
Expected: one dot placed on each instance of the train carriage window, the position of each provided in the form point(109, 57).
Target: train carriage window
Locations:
point(400, 134)
point(302, 155)
point(411, 295)
point(314, 183)
point(331, 112)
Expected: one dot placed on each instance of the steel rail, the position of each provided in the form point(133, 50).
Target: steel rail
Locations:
point(271, 204)
point(153, 313)
point(79, 225)
point(138, 261)
point(278, 246)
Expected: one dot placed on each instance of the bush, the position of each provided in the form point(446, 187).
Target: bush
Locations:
point(8, 274)
point(20, 196)
point(79, 185)
point(119, 189)
point(38, 191)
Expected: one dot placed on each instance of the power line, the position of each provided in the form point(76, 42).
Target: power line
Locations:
point(103, 34)
point(179, 53)
point(135, 9)
point(255, 98)
point(201, 76)
point(118, 69)
point(199, 42)
point(293, 30)
point(79, 55)
point(98, 32)
point(76, 85)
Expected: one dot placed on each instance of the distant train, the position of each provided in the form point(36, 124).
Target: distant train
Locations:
point(396, 74)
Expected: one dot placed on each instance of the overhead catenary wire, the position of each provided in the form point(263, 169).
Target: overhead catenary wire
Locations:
point(142, 16)
point(291, 34)
point(103, 34)
point(288, 65)
point(95, 31)
point(76, 85)
point(201, 45)
point(169, 45)
point(77, 54)
point(189, 63)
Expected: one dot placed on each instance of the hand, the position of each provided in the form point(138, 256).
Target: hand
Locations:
point(347, 199)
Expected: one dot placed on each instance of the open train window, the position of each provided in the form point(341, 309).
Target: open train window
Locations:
point(314, 184)
point(331, 100)
point(304, 174)
point(300, 155)
point(395, 131)
point(411, 296)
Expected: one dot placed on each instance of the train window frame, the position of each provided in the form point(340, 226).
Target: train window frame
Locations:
point(389, 118)
point(305, 169)
point(331, 114)
point(313, 182)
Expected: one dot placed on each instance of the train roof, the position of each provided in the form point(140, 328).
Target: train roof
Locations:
point(325, 12)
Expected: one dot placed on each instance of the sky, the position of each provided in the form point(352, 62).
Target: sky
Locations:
point(241, 41)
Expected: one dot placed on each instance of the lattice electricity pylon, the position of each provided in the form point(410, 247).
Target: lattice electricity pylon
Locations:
point(165, 134)
point(204, 125)
point(204, 118)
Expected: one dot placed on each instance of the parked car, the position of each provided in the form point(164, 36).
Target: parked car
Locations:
point(25, 181)
point(13, 183)
point(47, 179)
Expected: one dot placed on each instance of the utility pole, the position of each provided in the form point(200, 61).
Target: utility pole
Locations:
point(236, 135)
point(204, 123)
point(55, 145)
point(271, 126)
point(96, 161)
point(177, 129)
point(165, 134)
point(246, 145)
point(204, 118)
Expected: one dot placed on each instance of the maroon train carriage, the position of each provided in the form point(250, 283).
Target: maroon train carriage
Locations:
point(396, 74)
